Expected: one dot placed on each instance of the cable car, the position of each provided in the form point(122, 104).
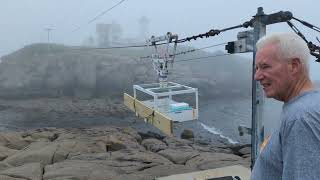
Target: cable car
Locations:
point(156, 102)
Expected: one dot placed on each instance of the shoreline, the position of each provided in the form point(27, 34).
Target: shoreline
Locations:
point(26, 114)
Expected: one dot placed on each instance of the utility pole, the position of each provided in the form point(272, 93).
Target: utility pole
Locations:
point(260, 21)
point(48, 36)
point(257, 136)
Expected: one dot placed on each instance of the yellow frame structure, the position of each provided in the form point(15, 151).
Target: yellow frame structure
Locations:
point(157, 119)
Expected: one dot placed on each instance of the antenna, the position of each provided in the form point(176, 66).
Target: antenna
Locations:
point(48, 36)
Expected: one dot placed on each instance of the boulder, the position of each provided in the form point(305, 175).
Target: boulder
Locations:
point(118, 141)
point(156, 171)
point(32, 171)
point(140, 156)
point(153, 145)
point(214, 160)
point(5, 152)
point(245, 151)
point(130, 131)
point(178, 156)
point(43, 135)
point(4, 166)
point(63, 150)
point(37, 152)
point(130, 161)
point(10, 178)
point(81, 170)
point(187, 134)
point(13, 140)
point(151, 134)
point(176, 143)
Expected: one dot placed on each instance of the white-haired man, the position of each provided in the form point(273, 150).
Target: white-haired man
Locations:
point(293, 150)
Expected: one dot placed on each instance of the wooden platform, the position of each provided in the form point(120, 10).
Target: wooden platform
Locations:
point(240, 171)
point(157, 119)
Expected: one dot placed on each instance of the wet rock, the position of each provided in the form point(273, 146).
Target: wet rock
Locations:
point(150, 134)
point(187, 134)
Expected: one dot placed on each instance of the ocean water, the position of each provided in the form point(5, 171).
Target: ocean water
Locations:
point(216, 131)
point(222, 118)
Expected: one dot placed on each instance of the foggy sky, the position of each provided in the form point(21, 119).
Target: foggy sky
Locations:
point(23, 21)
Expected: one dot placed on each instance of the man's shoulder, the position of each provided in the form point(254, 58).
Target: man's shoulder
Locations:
point(310, 101)
point(303, 105)
point(309, 98)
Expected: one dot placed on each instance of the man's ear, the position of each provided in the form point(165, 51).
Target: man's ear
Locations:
point(296, 65)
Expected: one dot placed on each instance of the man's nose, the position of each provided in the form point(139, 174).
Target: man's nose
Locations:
point(258, 75)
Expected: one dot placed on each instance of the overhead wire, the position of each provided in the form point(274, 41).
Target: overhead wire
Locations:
point(107, 48)
point(99, 15)
point(314, 49)
point(115, 47)
point(297, 31)
point(311, 26)
point(204, 57)
point(189, 51)
point(198, 49)
point(214, 32)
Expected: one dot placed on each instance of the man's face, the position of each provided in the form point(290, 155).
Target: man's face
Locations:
point(272, 72)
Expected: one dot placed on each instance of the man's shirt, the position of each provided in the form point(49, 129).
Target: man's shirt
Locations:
point(293, 151)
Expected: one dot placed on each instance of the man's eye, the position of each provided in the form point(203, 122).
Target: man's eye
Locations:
point(264, 66)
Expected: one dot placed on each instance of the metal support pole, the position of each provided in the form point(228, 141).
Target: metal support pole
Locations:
point(243, 44)
point(135, 98)
point(197, 104)
point(48, 36)
point(134, 93)
point(155, 101)
point(257, 135)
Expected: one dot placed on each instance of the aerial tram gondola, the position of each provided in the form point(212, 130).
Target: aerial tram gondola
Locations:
point(161, 108)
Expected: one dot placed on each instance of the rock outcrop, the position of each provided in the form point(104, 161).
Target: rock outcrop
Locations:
point(105, 153)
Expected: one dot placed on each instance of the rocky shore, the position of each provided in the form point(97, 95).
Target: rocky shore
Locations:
point(103, 153)
point(97, 139)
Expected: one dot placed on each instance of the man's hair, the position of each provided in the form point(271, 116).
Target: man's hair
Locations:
point(290, 46)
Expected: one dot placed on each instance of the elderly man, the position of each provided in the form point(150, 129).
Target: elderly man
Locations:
point(293, 150)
